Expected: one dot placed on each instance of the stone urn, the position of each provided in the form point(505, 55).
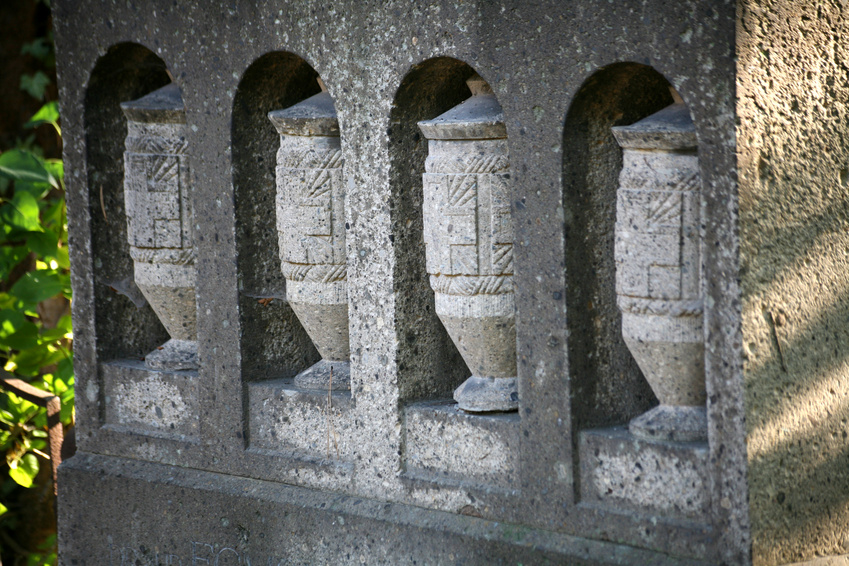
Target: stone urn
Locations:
point(158, 202)
point(468, 235)
point(311, 233)
point(658, 270)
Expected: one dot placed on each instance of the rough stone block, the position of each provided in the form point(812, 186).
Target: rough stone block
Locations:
point(445, 442)
point(668, 479)
point(160, 403)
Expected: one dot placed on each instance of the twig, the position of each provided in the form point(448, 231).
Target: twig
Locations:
point(103, 206)
point(330, 428)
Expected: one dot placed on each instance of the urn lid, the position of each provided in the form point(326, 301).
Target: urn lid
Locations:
point(315, 116)
point(671, 128)
point(478, 118)
point(162, 106)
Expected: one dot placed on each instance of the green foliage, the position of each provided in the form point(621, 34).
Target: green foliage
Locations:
point(35, 327)
point(35, 84)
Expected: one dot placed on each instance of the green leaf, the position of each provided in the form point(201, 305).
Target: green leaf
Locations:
point(45, 244)
point(56, 168)
point(47, 114)
point(10, 257)
point(24, 337)
point(23, 471)
point(22, 165)
point(10, 322)
point(37, 286)
point(35, 84)
point(29, 362)
point(20, 215)
point(39, 48)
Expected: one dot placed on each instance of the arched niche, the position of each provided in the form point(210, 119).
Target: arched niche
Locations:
point(273, 342)
point(607, 386)
point(429, 365)
point(126, 326)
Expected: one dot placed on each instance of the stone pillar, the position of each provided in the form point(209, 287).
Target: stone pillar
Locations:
point(658, 270)
point(468, 236)
point(159, 220)
point(311, 231)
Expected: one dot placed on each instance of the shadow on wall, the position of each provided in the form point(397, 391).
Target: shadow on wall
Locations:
point(126, 326)
point(273, 342)
point(429, 365)
point(607, 385)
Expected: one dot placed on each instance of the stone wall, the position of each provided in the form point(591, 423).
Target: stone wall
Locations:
point(235, 462)
point(792, 91)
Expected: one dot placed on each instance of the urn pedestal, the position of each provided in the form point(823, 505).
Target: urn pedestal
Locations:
point(468, 236)
point(311, 230)
point(658, 270)
point(159, 220)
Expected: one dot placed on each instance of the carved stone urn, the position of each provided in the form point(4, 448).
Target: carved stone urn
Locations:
point(658, 270)
point(468, 236)
point(157, 198)
point(311, 232)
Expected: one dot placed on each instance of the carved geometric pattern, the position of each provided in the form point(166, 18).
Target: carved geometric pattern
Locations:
point(467, 164)
point(657, 236)
point(311, 218)
point(468, 227)
point(472, 285)
point(158, 208)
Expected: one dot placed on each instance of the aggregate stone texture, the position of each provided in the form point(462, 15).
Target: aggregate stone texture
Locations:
point(792, 93)
point(447, 442)
point(154, 514)
point(287, 418)
point(161, 402)
point(621, 470)
point(563, 74)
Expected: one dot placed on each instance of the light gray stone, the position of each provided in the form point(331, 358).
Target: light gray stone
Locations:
point(311, 230)
point(468, 235)
point(658, 267)
point(446, 442)
point(159, 220)
point(622, 471)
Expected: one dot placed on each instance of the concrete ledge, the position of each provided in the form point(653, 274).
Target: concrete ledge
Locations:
point(162, 403)
point(444, 442)
point(151, 514)
point(284, 418)
point(659, 478)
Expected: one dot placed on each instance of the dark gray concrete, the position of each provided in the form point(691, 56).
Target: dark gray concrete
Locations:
point(586, 64)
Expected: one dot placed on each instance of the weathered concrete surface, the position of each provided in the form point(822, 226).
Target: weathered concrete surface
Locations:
point(626, 472)
point(446, 442)
point(157, 515)
point(284, 418)
point(160, 402)
point(793, 151)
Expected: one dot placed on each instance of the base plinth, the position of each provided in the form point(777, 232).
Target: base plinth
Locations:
point(483, 394)
point(318, 376)
point(678, 423)
point(174, 355)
